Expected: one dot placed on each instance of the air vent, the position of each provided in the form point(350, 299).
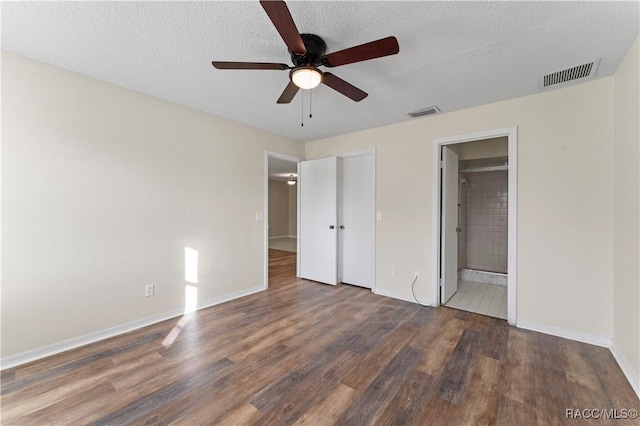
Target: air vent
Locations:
point(569, 74)
point(424, 111)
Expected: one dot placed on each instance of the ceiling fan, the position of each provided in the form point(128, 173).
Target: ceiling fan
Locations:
point(308, 52)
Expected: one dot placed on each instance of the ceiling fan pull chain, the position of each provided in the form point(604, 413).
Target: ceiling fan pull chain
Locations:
point(302, 111)
point(310, 103)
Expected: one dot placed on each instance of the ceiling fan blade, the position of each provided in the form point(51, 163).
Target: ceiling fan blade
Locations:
point(364, 52)
point(279, 14)
point(221, 65)
point(347, 89)
point(288, 94)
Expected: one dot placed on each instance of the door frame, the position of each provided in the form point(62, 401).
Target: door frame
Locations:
point(361, 153)
point(512, 134)
point(293, 159)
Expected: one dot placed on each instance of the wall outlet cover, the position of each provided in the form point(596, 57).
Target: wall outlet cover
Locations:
point(148, 290)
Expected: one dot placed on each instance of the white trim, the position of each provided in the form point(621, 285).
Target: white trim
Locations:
point(512, 134)
point(399, 296)
point(280, 236)
point(272, 154)
point(567, 334)
point(361, 153)
point(512, 219)
point(375, 222)
point(632, 376)
point(297, 222)
point(76, 342)
point(435, 224)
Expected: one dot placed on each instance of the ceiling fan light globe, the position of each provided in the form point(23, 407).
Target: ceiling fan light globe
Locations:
point(306, 77)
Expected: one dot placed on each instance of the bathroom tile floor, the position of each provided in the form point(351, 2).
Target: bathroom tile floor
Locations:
point(481, 298)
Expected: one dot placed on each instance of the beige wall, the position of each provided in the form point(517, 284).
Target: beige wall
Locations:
point(626, 237)
point(565, 218)
point(278, 208)
point(102, 188)
point(496, 147)
point(293, 210)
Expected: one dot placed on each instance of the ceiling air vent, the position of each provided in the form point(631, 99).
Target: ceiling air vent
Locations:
point(569, 74)
point(424, 111)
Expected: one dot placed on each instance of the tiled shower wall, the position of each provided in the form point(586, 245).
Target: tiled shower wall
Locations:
point(484, 221)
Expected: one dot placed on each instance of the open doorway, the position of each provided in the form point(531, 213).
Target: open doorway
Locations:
point(482, 227)
point(281, 218)
point(474, 221)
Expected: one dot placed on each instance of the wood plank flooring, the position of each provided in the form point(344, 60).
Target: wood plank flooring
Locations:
point(307, 353)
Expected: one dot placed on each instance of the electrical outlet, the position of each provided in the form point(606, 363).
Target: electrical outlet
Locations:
point(148, 290)
point(416, 275)
point(394, 272)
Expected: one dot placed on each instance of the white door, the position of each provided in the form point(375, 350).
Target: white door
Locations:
point(449, 225)
point(318, 216)
point(357, 220)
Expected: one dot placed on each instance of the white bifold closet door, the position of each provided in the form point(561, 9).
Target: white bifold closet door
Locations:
point(356, 233)
point(318, 231)
point(337, 220)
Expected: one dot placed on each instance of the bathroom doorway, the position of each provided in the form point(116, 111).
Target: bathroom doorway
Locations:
point(482, 229)
point(475, 223)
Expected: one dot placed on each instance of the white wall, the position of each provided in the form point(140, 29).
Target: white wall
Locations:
point(565, 215)
point(278, 208)
point(102, 188)
point(293, 210)
point(626, 238)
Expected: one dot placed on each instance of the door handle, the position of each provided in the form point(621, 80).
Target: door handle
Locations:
point(331, 227)
point(341, 226)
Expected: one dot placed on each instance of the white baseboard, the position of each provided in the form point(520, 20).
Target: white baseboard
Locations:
point(567, 334)
point(76, 342)
point(632, 376)
point(394, 295)
point(276, 237)
point(292, 236)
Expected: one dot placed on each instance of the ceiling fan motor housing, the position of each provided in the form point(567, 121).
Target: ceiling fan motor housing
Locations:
point(316, 49)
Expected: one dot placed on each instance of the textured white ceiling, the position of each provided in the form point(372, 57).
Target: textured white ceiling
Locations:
point(452, 54)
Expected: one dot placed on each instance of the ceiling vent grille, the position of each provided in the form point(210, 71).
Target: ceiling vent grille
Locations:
point(425, 111)
point(569, 74)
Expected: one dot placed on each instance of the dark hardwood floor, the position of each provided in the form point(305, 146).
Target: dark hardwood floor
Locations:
point(308, 353)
